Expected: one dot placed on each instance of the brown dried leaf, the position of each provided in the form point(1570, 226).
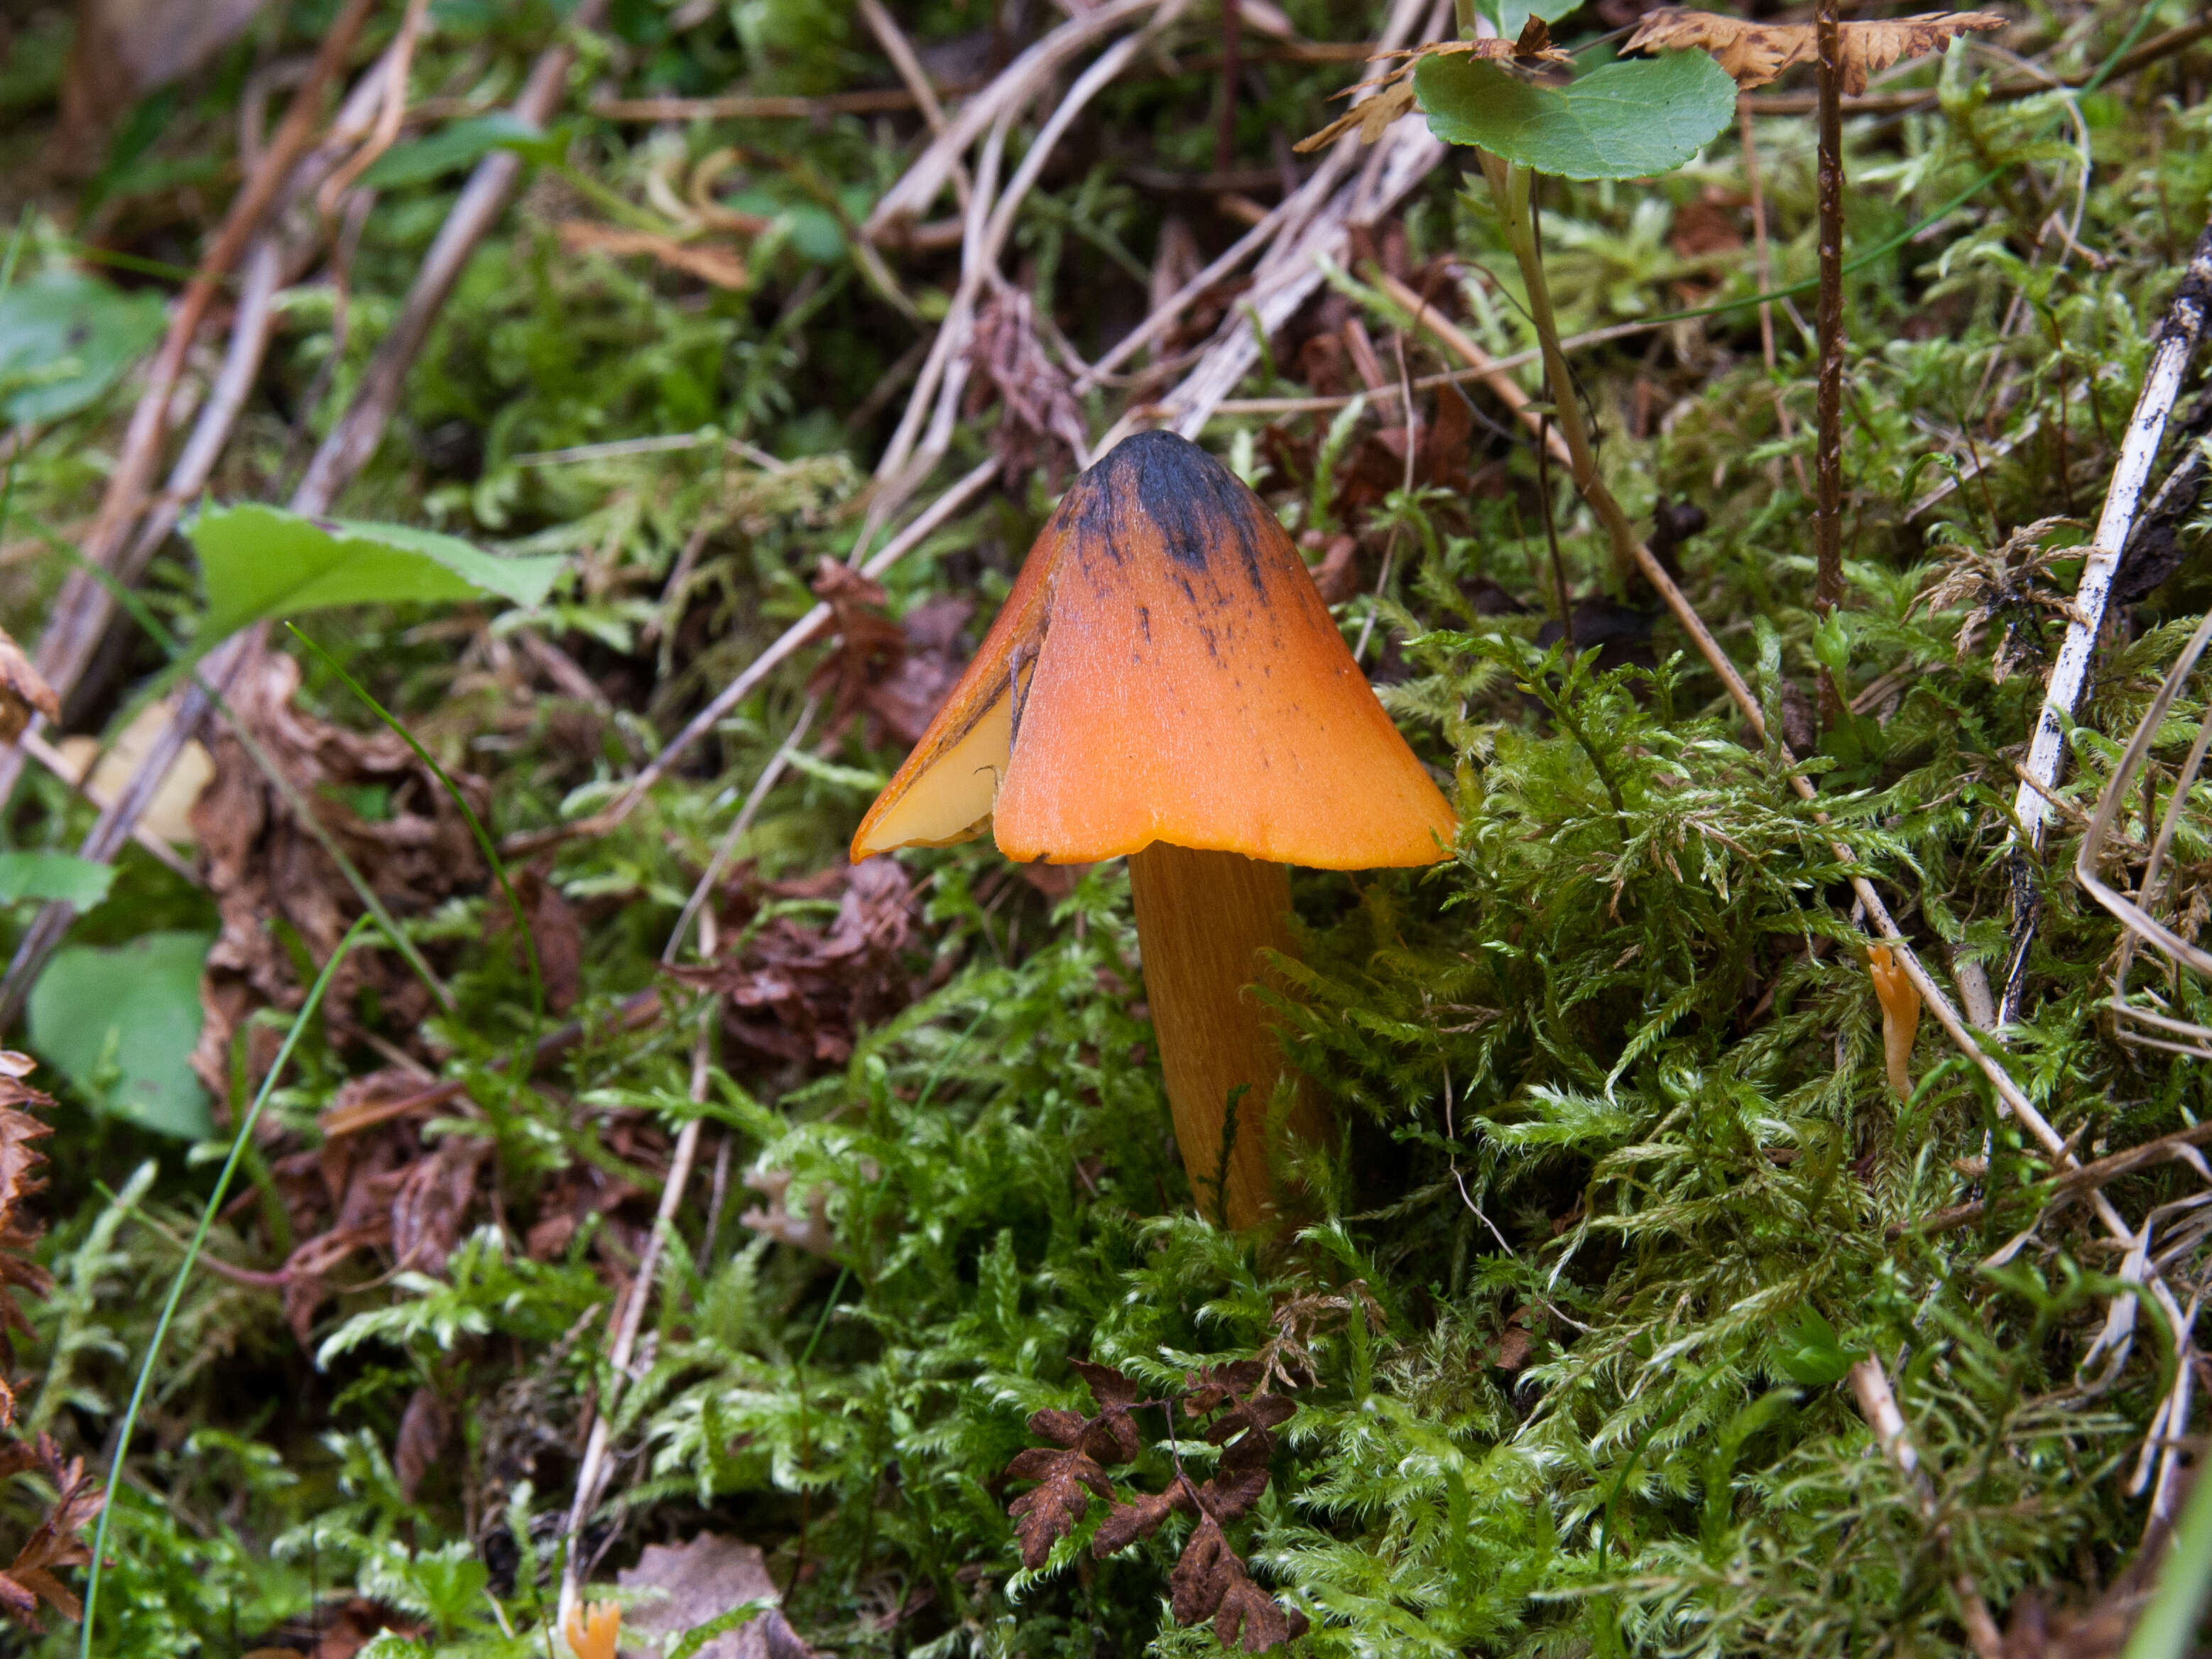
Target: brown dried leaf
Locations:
point(54, 1542)
point(268, 872)
point(686, 1585)
point(1251, 1619)
point(1239, 1479)
point(125, 49)
point(1210, 1582)
point(1202, 1573)
point(424, 1428)
point(1755, 53)
point(798, 995)
point(555, 935)
point(430, 1209)
point(1126, 1523)
point(23, 691)
point(1211, 1386)
point(1042, 423)
point(708, 261)
point(1048, 1512)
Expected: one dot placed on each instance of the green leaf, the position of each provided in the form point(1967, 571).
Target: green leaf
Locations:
point(1630, 119)
point(457, 145)
point(1810, 1353)
point(45, 876)
point(64, 338)
point(262, 561)
point(122, 1024)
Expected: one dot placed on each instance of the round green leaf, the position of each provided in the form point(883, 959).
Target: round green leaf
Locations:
point(1630, 119)
point(122, 1024)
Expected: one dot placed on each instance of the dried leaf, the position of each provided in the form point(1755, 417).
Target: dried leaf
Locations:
point(798, 995)
point(1125, 1524)
point(708, 261)
point(1210, 1387)
point(683, 1586)
point(1042, 423)
point(1240, 1478)
point(1210, 1582)
point(1048, 1512)
point(430, 1210)
point(1755, 53)
point(269, 873)
point(54, 1542)
point(424, 1428)
point(23, 691)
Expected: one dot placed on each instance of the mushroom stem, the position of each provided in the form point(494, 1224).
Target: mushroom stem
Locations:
point(1202, 920)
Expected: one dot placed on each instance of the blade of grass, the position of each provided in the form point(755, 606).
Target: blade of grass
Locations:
point(208, 1212)
point(2168, 1629)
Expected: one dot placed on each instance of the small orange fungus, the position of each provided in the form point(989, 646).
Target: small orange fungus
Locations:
point(1901, 1015)
point(1164, 682)
point(593, 1630)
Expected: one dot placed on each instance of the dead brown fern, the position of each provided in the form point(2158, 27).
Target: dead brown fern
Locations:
point(1210, 1581)
point(55, 1542)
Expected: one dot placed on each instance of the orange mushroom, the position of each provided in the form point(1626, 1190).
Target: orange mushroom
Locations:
point(1901, 1015)
point(593, 1630)
point(1165, 682)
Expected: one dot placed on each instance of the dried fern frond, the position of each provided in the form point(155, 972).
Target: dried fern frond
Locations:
point(1755, 53)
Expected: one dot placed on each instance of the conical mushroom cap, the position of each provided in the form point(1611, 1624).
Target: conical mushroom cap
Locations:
point(1164, 671)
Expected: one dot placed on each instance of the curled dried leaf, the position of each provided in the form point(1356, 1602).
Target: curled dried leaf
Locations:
point(1755, 53)
point(23, 691)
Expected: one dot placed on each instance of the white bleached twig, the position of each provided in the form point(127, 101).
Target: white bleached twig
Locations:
point(2171, 349)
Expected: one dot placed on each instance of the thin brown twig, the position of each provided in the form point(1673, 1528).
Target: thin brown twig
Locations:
point(1828, 442)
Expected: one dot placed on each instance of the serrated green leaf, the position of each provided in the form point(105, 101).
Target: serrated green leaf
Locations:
point(51, 876)
point(260, 561)
point(64, 338)
point(122, 1024)
point(1630, 119)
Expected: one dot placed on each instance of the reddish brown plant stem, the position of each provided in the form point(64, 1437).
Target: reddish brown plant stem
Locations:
point(1828, 449)
point(1232, 42)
